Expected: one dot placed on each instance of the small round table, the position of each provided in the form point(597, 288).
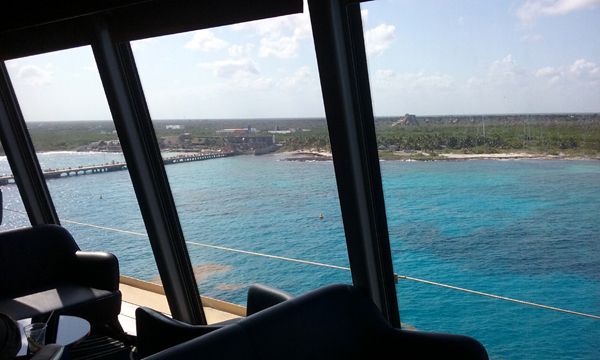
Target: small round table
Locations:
point(70, 330)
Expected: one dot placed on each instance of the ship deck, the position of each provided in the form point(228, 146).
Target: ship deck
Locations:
point(141, 293)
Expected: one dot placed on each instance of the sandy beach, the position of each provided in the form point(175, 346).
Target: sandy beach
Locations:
point(424, 156)
point(306, 155)
point(313, 155)
point(518, 155)
point(497, 156)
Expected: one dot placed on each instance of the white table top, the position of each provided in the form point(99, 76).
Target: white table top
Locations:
point(70, 329)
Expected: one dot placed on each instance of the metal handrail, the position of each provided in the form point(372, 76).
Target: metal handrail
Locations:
point(336, 267)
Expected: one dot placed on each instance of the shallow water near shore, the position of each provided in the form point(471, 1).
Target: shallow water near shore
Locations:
point(527, 229)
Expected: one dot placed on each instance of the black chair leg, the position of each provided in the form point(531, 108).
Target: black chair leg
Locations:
point(113, 329)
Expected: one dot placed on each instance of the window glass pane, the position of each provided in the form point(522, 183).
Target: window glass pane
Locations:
point(67, 115)
point(487, 124)
point(241, 91)
point(14, 215)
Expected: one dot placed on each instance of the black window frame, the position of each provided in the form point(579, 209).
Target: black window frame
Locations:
point(341, 58)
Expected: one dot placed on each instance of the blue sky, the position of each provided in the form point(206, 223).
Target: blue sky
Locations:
point(425, 57)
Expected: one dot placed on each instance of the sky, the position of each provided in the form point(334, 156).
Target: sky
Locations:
point(425, 57)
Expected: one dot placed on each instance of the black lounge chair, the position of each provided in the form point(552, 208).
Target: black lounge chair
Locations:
point(157, 332)
point(42, 271)
point(335, 322)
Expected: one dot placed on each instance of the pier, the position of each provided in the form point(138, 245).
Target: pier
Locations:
point(120, 166)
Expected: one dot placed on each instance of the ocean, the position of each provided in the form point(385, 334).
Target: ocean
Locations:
point(525, 229)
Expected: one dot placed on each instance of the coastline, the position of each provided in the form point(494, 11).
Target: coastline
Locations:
point(316, 155)
point(516, 156)
point(312, 155)
point(306, 155)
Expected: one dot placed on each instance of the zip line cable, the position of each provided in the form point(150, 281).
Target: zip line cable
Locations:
point(475, 292)
point(314, 263)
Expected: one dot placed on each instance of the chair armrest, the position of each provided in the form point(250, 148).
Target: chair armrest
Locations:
point(98, 269)
point(156, 332)
point(261, 297)
point(49, 352)
point(426, 345)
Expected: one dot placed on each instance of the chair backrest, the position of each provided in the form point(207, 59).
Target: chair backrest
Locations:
point(335, 322)
point(261, 297)
point(34, 259)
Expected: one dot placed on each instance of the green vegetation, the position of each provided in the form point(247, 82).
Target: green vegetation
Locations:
point(317, 139)
point(568, 138)
point(408, 137)
point(428, 138)
point(65, 136)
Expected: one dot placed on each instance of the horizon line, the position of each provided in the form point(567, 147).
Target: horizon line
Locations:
point(323, 117)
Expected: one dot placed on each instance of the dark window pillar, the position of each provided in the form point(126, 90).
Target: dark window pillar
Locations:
point(339, 44)
point(21, 156)
point(128, 106)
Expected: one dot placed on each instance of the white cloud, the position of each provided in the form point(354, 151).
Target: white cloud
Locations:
point(280, 36)
point(284, 47)
point(502, 73)
point(421, 80)
point(243, 81)
point(503, 86)
point(419, 92)
point(238, 74)
point(385, 74)
point(547, 71)
point(533, 9)
point(300, 77)
point(273, 26)
point(240, 50)
point(531, 38)
point(207, 41)
point(302, 26)
point(503, 68)
point(413, 82)
point(584, 68)
point(581, 71)
point(231, 68)
point(91, 67)
point(504, 79)
point(364, 14)
point(297, 24)
point(35, 75)
point(13, 64)
point(378, 39)
point(142, 43)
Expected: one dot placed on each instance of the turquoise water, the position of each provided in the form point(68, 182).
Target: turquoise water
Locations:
point(527, 229)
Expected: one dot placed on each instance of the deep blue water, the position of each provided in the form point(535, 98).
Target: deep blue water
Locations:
point(528, 229)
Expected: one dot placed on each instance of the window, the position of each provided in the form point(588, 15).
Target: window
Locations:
point(67, 115)
point(263, 207)
point(487, 121)
point(14, 215)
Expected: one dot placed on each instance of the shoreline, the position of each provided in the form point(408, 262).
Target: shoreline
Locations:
point(511, 156)
point(314, 155)
point(303, 155)
point(311, 155)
